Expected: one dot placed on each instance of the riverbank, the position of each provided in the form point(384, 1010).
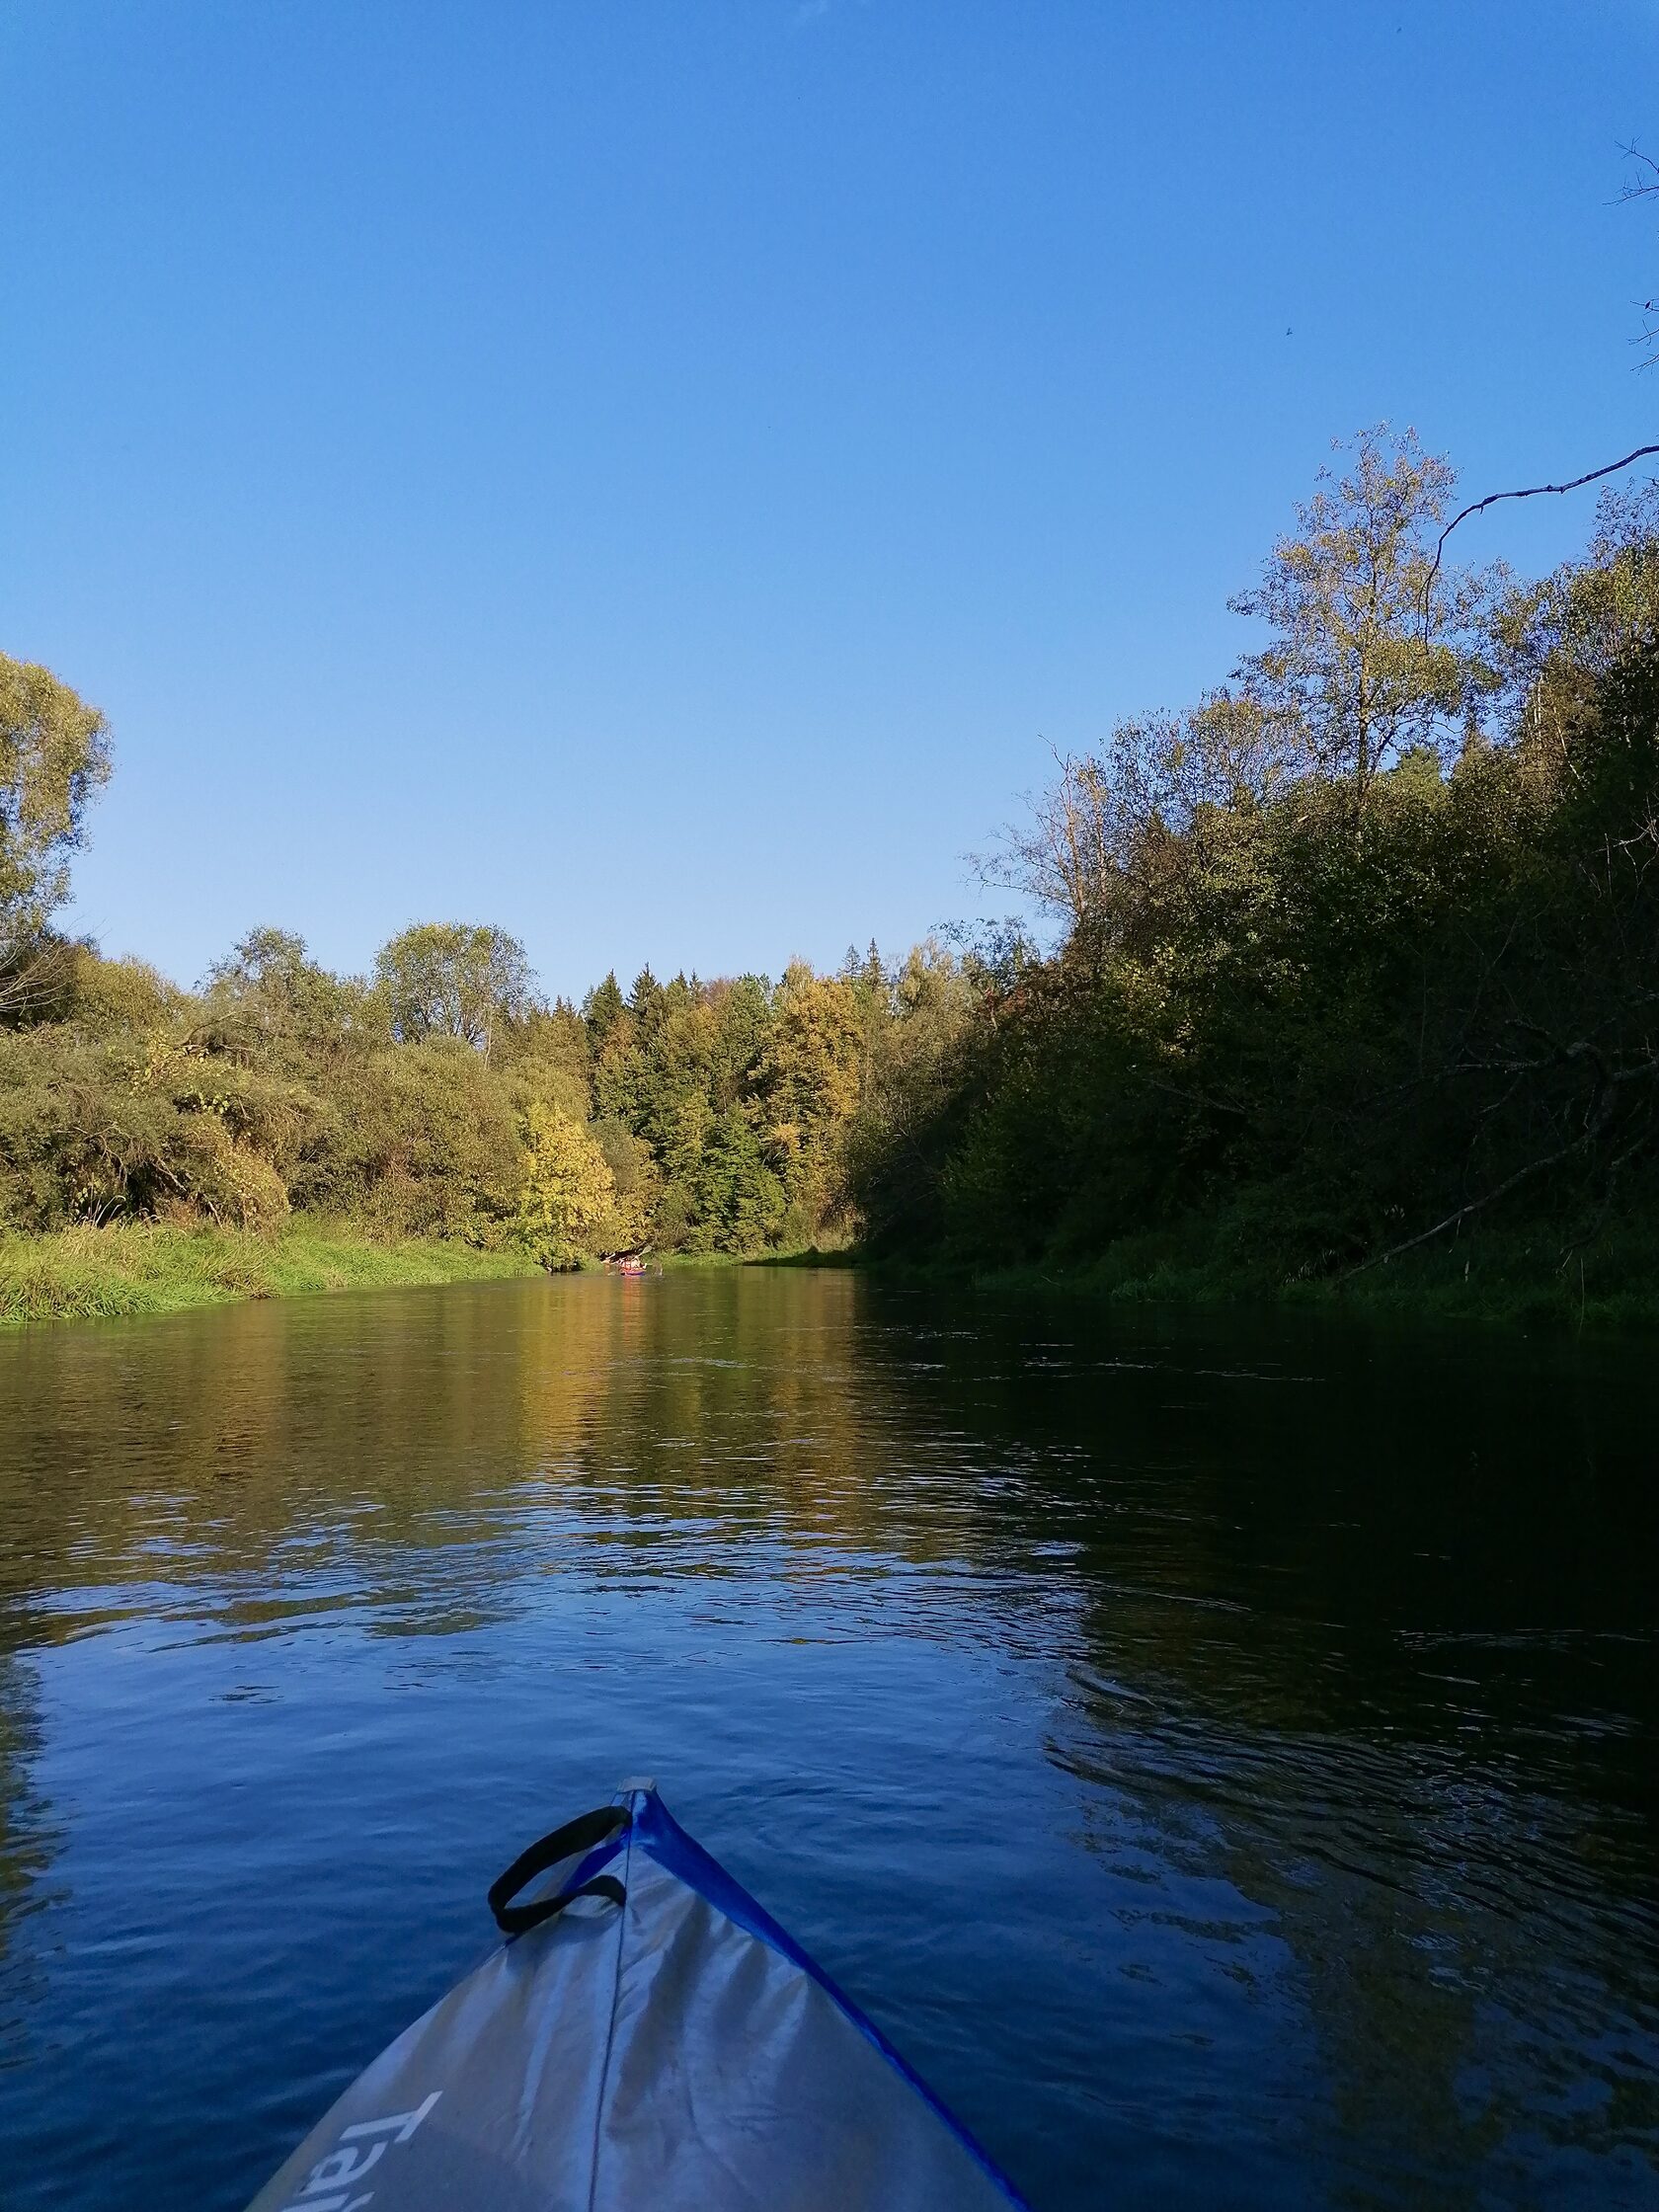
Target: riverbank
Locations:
point(1519, 1281)
point(133, 1268)
point(1524, 1278)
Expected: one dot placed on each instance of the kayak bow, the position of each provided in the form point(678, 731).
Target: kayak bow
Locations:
point(647, 2035)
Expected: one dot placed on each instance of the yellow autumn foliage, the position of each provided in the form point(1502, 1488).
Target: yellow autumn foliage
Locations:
point(568, 1192)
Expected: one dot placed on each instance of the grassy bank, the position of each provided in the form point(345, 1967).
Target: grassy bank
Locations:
point(1528, 1277)
point(129, 1268)
point(1518, 1280)
point(838, 1253)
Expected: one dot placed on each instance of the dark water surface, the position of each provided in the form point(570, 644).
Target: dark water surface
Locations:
point(1223, 1755)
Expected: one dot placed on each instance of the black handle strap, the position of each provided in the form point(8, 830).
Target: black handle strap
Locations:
point(579, 1835)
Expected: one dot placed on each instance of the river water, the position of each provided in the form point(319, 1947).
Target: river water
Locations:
point(1222, 1753)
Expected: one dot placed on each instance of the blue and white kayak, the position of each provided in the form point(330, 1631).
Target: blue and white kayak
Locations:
point(647, 2037)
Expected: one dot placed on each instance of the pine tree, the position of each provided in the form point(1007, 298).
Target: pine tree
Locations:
point(601, 1008)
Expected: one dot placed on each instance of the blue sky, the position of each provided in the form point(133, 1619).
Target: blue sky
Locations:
point(658, 476)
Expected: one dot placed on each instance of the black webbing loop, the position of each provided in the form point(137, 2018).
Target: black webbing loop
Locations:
point(579, 1835)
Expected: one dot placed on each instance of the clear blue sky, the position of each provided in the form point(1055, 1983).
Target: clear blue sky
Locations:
point(655, 476)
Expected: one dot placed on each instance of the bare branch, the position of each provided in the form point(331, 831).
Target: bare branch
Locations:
point(31, 978)
point(1475, 1206)
point(1531, 492)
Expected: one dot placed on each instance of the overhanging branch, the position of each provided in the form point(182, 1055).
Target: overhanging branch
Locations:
point(1528, 491)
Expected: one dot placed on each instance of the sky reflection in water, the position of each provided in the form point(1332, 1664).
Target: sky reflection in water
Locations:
point(1220, 1753)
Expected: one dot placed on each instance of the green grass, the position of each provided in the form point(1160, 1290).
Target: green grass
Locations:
point(1513, 1278)
point(1526, 1276)
point(129, 1268)
point(783, 1255)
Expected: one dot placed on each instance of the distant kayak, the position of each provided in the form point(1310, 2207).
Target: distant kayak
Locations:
point(647, 2037)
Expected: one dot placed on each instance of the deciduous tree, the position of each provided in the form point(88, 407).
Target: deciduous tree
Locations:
point(454, 980)
point(1370, 652)
point(568, 1189)
point(55, 756)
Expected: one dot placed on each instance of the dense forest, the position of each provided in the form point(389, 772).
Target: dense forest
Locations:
point(1356, 956)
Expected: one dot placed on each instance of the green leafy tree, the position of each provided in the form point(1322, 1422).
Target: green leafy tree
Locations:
point(1370, 652)
point(55, 756)
point(267, 989)
point(631, 1225)
point(454, 980)
point(567, 1190)
point(545, 1056)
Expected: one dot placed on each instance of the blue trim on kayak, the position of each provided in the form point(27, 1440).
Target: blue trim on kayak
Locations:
point(597, 1859)
point(656, 1831)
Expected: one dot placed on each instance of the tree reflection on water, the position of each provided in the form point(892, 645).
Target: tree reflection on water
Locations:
point(1224, 1750)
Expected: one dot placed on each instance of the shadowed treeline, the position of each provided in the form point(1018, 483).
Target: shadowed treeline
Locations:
point(1356, 954)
